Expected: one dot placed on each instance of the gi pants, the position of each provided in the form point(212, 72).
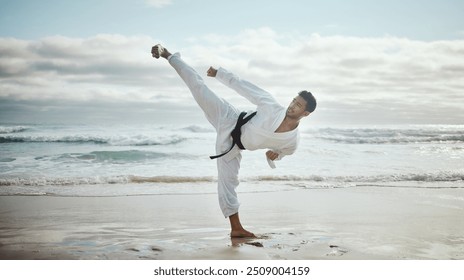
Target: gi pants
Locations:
point(223, 116)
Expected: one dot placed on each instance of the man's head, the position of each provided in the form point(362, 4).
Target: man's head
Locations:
point(302, 105)
point(310, 100)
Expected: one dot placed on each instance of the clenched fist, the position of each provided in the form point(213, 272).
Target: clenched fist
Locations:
point(211, 72)
point(271, 155)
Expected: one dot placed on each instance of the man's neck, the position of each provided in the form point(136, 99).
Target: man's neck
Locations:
point(288, 124)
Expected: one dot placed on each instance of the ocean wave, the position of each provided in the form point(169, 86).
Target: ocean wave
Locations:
point(197, 129)
point(422, 177)
point(390, 136)
point(170, 179)
point(12, 129)
point(100, 180)
point(137, 140)
point(338, 180)
point(65, 181)
point(117, 157)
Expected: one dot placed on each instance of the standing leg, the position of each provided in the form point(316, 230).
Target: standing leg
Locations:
point(228, 201)
point(237, 230)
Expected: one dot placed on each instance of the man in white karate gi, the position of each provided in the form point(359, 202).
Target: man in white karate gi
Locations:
point(272, 127)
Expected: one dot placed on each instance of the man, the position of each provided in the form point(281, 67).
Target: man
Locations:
point(272, 127)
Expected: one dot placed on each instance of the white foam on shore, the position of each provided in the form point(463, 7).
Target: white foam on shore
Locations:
point(183, 186)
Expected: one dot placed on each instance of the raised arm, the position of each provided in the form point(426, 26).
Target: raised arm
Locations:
point(253, 93)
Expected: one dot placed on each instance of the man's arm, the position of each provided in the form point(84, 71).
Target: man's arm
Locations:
point(271, 156)
point(278, 155)
point(246, 89)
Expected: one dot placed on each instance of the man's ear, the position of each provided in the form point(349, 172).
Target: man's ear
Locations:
point(306, 113)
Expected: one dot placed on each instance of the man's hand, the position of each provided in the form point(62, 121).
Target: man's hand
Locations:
point(271, 155)
point(211, 72)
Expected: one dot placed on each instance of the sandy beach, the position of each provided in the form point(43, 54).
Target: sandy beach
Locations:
point(379, 223)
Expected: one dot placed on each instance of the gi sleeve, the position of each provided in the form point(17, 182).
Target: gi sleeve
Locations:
point(285, 151)
point(253, 93)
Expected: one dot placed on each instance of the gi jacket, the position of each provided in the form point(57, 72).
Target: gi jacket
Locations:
point(259, 132)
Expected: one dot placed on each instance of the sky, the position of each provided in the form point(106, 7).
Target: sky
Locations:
point(367, 62)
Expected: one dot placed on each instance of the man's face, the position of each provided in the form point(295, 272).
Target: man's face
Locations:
point(297, 108)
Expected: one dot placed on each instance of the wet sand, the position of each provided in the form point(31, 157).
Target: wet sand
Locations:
point(358, 223)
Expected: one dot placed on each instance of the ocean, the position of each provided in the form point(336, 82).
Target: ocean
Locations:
point(121, 160)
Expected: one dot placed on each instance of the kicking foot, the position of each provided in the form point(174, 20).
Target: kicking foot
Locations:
point(242, 234)
point(158, 51)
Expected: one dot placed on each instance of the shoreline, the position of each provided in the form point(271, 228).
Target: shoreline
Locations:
point(364, 223)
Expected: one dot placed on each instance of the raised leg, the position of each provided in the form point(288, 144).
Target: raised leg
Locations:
point(214, 107)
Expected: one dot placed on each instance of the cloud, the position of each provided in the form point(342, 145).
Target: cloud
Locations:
point(158, 3)
point(104, 66)
point(389, 78)
point(351, 71)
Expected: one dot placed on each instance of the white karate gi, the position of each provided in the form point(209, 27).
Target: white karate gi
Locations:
point(258, 133)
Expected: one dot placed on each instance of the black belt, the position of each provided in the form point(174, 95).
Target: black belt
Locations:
point(237, 133)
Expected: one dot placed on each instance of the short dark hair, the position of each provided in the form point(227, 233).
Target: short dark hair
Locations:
point(310, 100)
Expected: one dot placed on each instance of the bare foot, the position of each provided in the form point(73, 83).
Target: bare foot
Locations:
point(242, 234)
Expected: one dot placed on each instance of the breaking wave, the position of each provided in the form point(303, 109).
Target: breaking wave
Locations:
point(423, 177)
point(391, 136)
point(124, 179)
point(197, 129)
point(137, 140)
point(12, 129)
point(100, 180)
point(127, 156)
